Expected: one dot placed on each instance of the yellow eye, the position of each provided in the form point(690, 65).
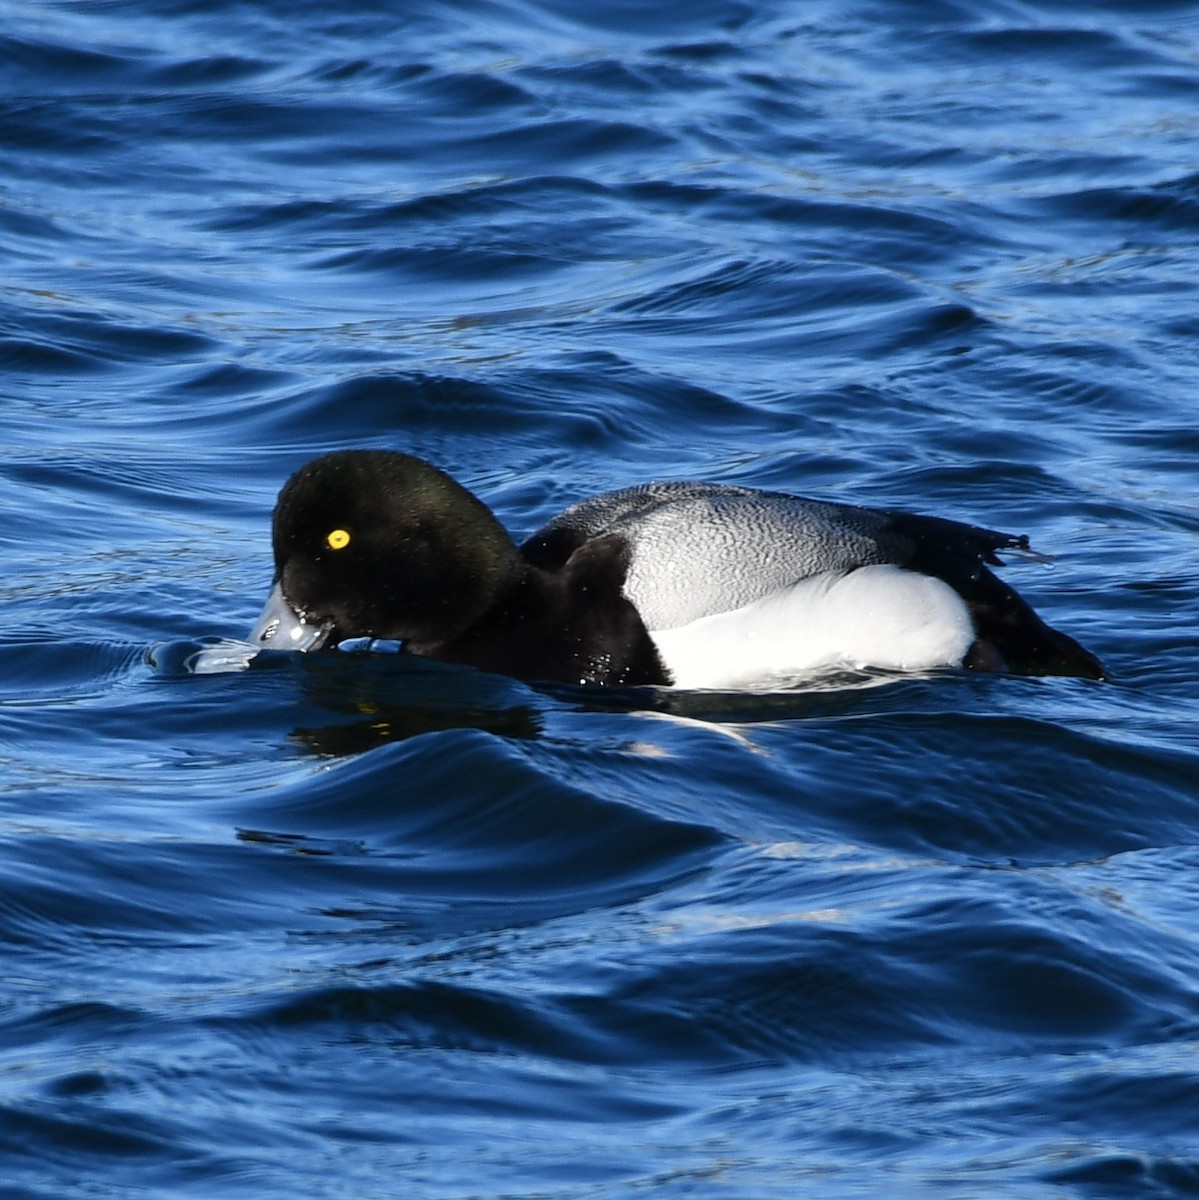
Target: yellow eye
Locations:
point(339, 539)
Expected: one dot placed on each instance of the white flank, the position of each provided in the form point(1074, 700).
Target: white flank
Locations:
point(877, 616)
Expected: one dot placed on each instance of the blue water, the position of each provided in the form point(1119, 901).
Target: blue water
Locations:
point(361, 926)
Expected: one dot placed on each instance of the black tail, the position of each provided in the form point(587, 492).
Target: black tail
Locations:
point(1007, 623)
point(1010, 634)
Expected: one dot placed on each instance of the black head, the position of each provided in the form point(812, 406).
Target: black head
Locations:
point(374, 543)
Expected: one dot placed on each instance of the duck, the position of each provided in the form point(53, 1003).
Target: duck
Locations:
point(674, 584)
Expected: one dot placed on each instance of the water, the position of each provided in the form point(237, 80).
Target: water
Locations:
point(361, 926)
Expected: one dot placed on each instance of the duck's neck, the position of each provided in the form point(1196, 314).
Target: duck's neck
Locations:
point(550, 625)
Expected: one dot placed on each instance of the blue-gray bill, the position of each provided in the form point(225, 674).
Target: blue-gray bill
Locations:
point(280, 627)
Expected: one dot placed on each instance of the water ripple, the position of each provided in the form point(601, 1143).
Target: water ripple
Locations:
point(335, 923)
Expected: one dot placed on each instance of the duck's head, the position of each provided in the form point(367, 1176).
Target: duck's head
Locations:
point(374, 543)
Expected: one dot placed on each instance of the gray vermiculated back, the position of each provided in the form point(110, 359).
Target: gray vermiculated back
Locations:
point(698, 549)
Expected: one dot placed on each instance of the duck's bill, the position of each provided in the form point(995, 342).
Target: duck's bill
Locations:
point(280, 627)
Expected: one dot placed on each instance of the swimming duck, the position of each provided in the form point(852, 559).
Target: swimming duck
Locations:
point(698, 585)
